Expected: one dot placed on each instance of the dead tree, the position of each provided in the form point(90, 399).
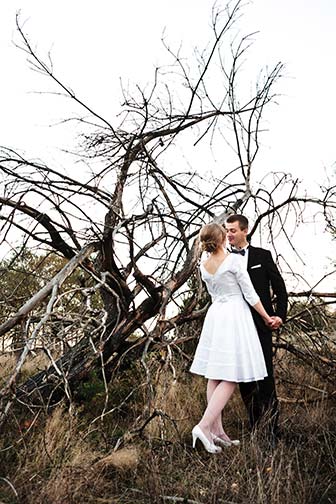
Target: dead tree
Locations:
point(131, 222)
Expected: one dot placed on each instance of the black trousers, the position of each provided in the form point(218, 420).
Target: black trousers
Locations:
point(260, 397)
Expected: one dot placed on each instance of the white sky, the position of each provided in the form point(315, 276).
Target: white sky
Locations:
point(93, 44)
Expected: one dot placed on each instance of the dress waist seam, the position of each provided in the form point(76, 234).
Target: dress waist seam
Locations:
point(225, 299)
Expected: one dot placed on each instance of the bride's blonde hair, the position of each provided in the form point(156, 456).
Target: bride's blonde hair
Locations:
point(212, 237)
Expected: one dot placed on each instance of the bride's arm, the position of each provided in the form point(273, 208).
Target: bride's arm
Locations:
point(259, 307)
point(249, 292)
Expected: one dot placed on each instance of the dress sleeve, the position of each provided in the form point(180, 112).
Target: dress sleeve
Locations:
point(245, 283)
point(201, 268)
point(204, 277)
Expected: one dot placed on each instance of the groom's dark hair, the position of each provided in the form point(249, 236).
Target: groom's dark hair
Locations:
point(243, 221)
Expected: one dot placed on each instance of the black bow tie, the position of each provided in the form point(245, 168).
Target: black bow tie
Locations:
point(235, 251)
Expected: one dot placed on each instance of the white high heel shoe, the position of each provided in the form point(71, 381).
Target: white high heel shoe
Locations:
point(197, 433)
point(225, 442)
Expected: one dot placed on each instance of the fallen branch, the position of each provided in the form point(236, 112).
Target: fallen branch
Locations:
point(47, 289)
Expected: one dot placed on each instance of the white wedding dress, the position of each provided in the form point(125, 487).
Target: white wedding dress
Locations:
point(229, 347)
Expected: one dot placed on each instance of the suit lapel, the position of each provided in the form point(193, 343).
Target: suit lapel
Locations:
point(251, 256)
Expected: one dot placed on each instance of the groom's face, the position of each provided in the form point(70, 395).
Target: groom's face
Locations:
point(236, 236)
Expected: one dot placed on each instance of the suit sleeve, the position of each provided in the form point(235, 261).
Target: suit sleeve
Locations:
point(245, 283)
point(278, 286)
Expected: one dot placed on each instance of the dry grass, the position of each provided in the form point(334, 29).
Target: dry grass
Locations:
point(64, 458)
point(7, 365)
point(123, 459)
point(34, 362)
point(182, 401)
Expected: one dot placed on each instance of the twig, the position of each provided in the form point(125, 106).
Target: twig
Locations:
point(10, 484)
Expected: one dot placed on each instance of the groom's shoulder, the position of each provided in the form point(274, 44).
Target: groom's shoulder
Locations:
point(259, 251)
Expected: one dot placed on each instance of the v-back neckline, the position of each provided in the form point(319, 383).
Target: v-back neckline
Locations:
point(220, 265)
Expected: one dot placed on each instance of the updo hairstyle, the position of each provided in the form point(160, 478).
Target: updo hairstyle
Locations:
point(212, 237)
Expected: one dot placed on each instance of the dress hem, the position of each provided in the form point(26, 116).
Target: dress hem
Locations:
point(236, 380)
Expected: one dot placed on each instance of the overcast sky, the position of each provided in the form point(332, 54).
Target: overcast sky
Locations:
point(93, 44)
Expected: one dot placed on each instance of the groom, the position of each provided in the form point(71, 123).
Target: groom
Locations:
point(260, 397)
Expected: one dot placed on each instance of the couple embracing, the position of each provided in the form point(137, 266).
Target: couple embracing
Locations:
point(235, 345)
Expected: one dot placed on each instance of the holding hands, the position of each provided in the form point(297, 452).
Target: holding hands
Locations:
point(274, 323)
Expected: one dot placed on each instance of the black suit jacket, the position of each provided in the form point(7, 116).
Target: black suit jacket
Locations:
point(268, 283)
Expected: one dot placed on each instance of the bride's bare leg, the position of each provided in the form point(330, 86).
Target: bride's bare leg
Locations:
point(220, 395)
point(217, 425)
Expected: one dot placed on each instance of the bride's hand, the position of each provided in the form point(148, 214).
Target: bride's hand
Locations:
point(269, 321)
point(272, 323)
